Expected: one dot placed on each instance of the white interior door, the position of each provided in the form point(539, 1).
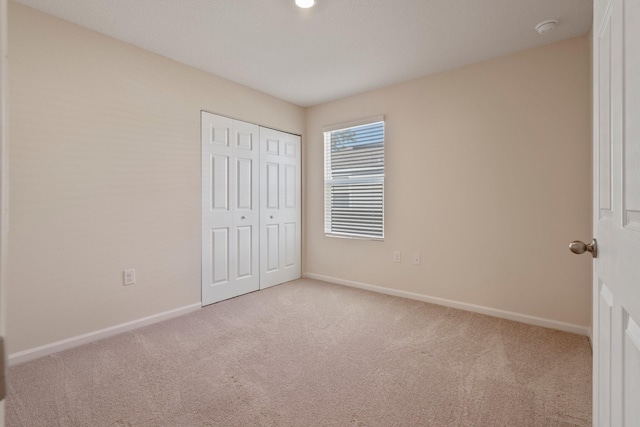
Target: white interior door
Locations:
point(230, 208)
point(616, 287)
point(280, 207)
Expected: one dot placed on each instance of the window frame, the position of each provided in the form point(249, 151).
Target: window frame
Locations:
point(375, 178)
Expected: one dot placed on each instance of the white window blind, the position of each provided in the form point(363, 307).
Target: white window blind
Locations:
point(354, 181)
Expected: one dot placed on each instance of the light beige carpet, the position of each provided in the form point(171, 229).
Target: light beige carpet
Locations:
point(308, 353)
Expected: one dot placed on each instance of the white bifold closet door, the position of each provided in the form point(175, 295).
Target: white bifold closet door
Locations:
point(280, 207)
point(230, 208)
point(250, 208)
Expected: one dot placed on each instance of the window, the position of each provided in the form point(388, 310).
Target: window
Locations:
point(354, 180)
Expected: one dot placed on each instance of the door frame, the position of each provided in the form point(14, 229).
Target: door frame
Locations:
point(3, 188)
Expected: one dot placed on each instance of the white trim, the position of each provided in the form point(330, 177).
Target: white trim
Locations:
point(509, 315)
point(66, 344)
point(354, 123)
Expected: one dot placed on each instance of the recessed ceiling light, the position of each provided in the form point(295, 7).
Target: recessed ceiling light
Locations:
point(305, 4)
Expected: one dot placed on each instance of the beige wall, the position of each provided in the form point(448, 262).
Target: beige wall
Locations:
point(487, 177)
point(105, 175)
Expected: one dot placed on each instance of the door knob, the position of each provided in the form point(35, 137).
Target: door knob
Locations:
point(579, 247)
point(243, 217)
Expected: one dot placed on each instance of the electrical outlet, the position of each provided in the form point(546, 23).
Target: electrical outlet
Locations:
point(396, 256)
point(416, 259)
point(130, 276)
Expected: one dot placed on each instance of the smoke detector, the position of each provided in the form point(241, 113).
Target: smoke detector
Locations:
point(546, 26)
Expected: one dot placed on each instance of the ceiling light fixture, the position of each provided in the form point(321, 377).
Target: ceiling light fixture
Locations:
point(305, 4)
point(546, 26)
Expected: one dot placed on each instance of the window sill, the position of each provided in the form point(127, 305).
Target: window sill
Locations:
point(347, 236)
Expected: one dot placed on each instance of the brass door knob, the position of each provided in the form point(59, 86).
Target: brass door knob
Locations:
point(579, 247)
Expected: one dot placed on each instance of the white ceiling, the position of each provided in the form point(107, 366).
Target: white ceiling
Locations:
point(335, 49)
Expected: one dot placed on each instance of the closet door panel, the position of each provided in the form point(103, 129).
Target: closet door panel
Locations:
point(280, 207)
point(272, 247)
point(230, 206)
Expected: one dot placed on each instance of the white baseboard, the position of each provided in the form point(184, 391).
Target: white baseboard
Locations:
point(45, 350)
point(510, 315)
